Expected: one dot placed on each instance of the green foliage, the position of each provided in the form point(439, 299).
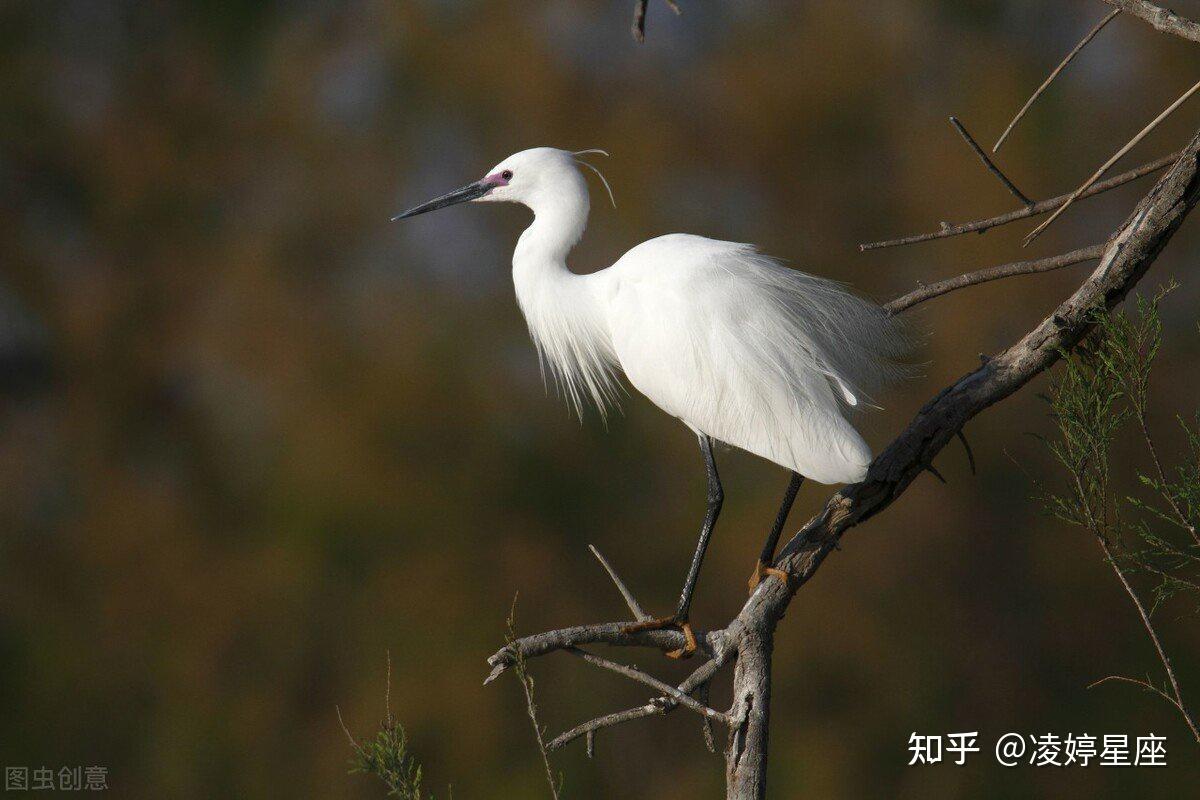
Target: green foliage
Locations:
point(1105, 385)
point(386, 756)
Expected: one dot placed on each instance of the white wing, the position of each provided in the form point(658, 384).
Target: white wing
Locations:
point(748, 351)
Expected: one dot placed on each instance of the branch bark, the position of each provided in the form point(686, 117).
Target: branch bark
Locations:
point(1161, 19)
point(932, 290)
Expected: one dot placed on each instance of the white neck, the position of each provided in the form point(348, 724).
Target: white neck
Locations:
point(562, 309)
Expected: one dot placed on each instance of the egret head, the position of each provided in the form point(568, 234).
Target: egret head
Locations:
point(536, 178)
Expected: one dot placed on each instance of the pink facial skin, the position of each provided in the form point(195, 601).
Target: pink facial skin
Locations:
point(495, 179)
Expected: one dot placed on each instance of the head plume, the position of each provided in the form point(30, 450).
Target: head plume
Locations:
point(596, 170)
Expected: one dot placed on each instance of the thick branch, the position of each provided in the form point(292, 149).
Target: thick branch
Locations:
point(929, 291)
point(1161, 19)
point(980, 225)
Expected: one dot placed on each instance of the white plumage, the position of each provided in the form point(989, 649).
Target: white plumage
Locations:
point(740, 348)
point(729, 341)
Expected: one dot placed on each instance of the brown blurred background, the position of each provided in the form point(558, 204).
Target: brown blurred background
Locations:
point(253, 437)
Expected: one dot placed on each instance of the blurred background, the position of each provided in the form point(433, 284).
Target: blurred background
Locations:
point(253, 437)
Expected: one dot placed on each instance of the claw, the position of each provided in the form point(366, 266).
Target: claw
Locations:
point(689, 643)
point(761, 571)
point(663, 623)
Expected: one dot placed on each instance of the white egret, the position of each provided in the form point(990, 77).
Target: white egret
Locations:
point(740, 348)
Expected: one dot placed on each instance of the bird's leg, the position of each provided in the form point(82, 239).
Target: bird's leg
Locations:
point(716, 496)
point(763, 568)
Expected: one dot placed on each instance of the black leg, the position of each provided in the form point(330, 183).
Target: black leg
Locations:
point(716, 496)
point(785, 508)
point(765, 561)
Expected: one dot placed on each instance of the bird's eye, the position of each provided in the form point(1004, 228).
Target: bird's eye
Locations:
point(507, 174)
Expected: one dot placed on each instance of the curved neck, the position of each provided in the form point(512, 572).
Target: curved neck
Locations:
point(565, 320)
point(559, 219)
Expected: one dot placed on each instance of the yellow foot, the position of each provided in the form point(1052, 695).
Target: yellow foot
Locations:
point(664, 623)
point(761, 571)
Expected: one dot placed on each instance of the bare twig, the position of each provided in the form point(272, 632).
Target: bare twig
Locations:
point(526, 681)
point(639, 17)
point(987, 162)
point(1137, 682)
point(1177, 700)
point(1161, 19)
point(638, 675)
point(1114, 159)
point(962, 437)
point(705, 724)
point(712, 643)
point(1054, 74)
point(630, 601)
point(1040, 207)
point(387, 693)
point(590, 727)
point(657, 706)
point(342, 722)
point(931, 290)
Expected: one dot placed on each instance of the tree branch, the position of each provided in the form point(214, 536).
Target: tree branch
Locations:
point(1127, 255)
point(987, 162)
point(634, 607)
point(1177, 700)
point(1054, 74)
point(1161, 19)
point(711, 644)
point(637, 675)
point(658, 705)
point(1147, 685)
point(929, 291)
point(1112, 160)
point(639, 17)
point(1040, 207)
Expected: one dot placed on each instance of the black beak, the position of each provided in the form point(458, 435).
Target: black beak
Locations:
point(471, 191)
